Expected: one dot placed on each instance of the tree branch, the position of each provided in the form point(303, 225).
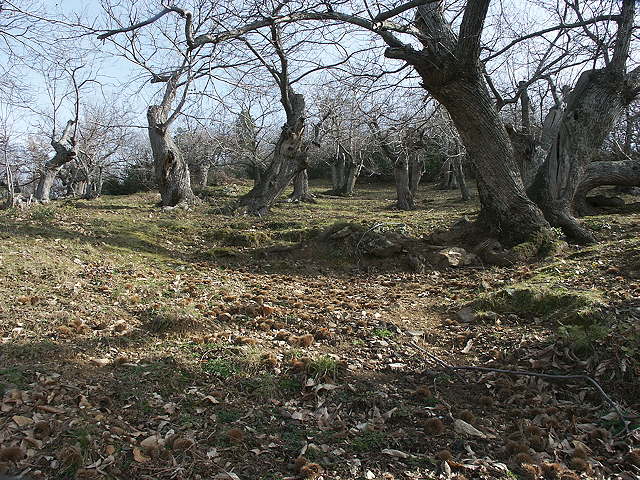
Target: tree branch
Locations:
point(600, 18)
point(468, 49)
point(623, 37)
point(110, 33)
point(381, 17)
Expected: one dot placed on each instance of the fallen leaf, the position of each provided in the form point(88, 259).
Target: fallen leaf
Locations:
point(461, 426)
point(21, 421)
point(139, 457)
point(395, 453)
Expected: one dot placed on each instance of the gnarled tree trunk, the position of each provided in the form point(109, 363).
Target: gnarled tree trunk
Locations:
point(593, 108)
point(344, 172)
point(66, 151)
point(200, 173)
point(416, 170)
point(451, 71)
point(287, 161)
point(171, 169)
point(506, 209)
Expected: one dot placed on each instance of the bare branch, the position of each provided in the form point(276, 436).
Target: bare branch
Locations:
point(562, 26)
point(130, 28)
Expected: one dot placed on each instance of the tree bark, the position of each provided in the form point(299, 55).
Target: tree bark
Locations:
point(66, 151)
point(345, 172)
point(462, 183)
point(171, 169)
point(288, 161)
point(597, 174)
point(403, 190)
point(416, 169)
point(301, 192)
point(200, 173)
point(593, 107)
point(527, 154)
point(506, 210)
point(452, 74)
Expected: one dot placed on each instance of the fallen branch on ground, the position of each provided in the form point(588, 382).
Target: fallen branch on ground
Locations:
point(586, 378)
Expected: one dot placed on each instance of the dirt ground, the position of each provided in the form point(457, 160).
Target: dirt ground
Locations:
point(137, 343)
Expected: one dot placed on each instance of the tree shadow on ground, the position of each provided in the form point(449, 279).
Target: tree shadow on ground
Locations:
point(129, 238)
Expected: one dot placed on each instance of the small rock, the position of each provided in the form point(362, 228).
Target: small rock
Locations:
point(467, 315)
point(455, 257)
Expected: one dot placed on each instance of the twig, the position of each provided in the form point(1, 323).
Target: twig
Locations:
point(438, 360)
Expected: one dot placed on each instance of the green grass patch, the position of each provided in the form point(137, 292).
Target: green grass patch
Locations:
point(323, 366)
point(382, 333)
point(221, 367)
point(369, 441)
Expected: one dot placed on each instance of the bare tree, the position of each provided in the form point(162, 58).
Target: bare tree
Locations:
point(391, 143)
point(65, 145)
point(592, 108)
point(171, 169)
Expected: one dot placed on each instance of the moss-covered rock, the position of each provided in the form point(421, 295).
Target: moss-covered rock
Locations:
point(564, 305)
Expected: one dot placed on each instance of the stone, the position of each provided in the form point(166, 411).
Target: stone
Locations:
point(467, 315)
point(455, 257)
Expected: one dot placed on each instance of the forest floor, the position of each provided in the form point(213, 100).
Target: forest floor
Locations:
point(137, 343)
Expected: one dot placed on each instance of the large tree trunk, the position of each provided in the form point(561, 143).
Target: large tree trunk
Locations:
point(256, 174)
point(594, 106)
point(288, 160)
point(453, 75)
point(301, 192)
point(351, 176)
point(401, 176)
point(338, 170)
point(344, 172)
point(171, 170)
point(66, 151)
point(597, 174)
point(506, 210)
point(447, 176)
point(527, 154)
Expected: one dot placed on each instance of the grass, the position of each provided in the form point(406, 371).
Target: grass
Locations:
point(221, 367)
point(369, 441)
point(324, 366)
point(382, 333)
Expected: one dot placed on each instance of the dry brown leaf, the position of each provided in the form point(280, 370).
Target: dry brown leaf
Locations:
point(139, 457)
point(49, 409)
point(22, 421)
